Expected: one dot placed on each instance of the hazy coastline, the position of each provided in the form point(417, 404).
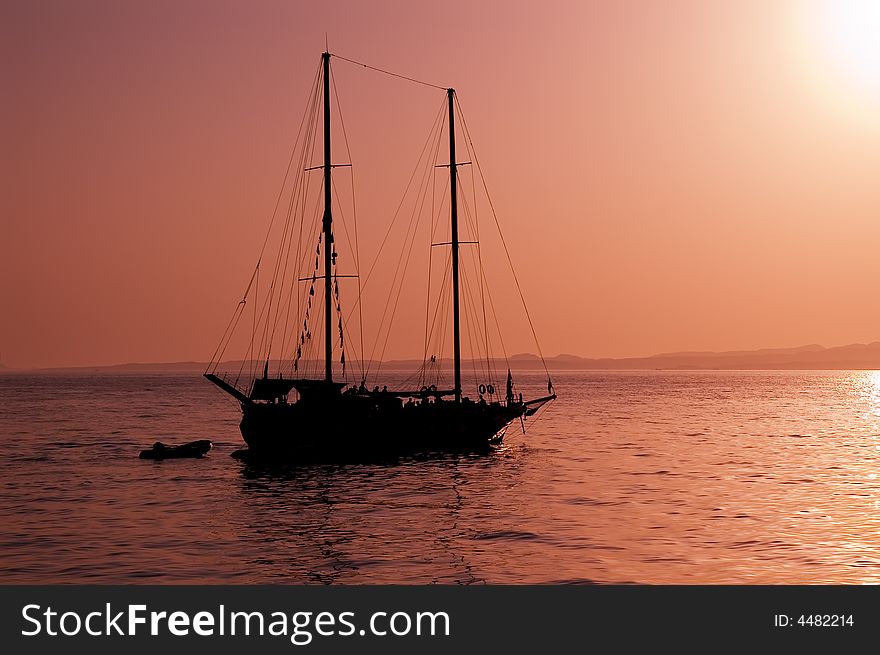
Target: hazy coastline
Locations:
point(810, 357)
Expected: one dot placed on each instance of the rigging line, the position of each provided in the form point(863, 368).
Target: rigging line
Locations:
point(280, 193)
point(445, 317)
point(268, 338)
point(431, 324)
point(287, 303)
point(301, 251)
point(418, 165)
point(507, 253)
point(343, 323)
point(405, 193)
point(484, 283)
point(480, 276)
point(287, 235)
point(538, 414)
point(287, 172)
point(440, 300)
point(468, 326)
point(240, 311)
point(345, 139)
point(314, 270)
point(411, 231)
point(251, 351)
point(474, 191)
point(290, 225)
point(483, 290)
point(248, 353)
point(486, 364)
point(439, 321)
point(471, 217)
point(234, 326)
point(497, 324)
point(308, 254)
point(299, 204)
point(472, 322)
point(357, 356)
point(467, 211)
point(294, 205)
point(310, 341)
point(223, 339)
point(259, 354)
point(265, 346)
point(357, 251)
point(238, 308)
point(301, 267)
point(503, 242)
point(341, 214)
point(283, 347)
point(430, 271)
point(435, 220)
point(490, 352)
point(308, 178)
point(418, 210)
point(283, 255)
point(212, 366)
point(313, 361)
point(300, 309)
point(387, 72)
point(430, 138)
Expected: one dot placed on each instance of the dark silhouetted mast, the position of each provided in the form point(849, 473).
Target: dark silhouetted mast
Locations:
point(453, 190)
point(328, 233)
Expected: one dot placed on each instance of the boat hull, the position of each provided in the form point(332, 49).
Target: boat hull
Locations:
point(164, 451)
point(355, 427)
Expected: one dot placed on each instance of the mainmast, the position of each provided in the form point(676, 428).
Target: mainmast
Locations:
point(328, 233)
point(453, 189)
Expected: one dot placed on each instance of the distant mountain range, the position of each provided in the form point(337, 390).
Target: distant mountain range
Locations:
point(812, 357)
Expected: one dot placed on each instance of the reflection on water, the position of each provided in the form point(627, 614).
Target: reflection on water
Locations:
point(741, 477)
point(346, 523)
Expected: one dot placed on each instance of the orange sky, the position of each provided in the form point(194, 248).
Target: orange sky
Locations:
point(670, 176)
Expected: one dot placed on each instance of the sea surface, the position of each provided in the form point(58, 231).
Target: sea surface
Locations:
point(630, 477)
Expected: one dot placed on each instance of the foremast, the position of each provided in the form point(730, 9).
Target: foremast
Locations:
point(328, 227)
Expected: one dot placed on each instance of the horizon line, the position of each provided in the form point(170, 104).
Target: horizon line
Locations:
point(528, 356)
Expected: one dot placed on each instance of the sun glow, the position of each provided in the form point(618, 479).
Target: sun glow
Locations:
point(851, 30)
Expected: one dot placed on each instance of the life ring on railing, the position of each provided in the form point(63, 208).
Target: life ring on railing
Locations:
point(482, 388)
point(490, 389)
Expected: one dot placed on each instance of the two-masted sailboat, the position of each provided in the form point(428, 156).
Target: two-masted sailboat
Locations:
point(300, 416)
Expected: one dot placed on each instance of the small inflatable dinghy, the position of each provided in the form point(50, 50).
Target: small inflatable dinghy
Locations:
point(164, 451)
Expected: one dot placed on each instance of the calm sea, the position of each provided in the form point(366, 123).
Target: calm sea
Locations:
point(643, 477)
